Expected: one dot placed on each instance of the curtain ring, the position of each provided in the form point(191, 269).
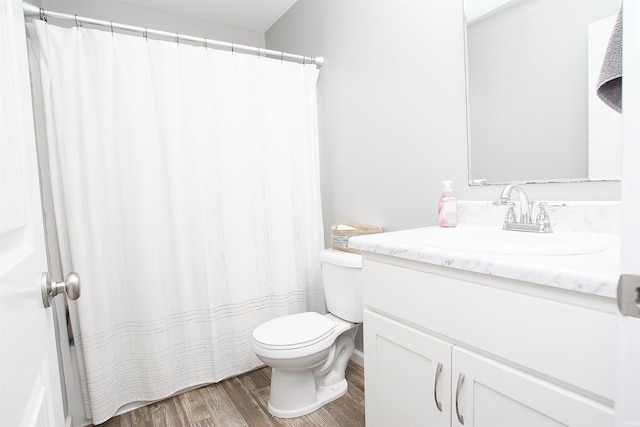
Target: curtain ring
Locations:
point(75, 17)
point(232, 51)
point(281, 56)
point(43, 17)
point(205, 43)
point(111, 23)
point(177, 38)
point(146, 34)
point(259, 53)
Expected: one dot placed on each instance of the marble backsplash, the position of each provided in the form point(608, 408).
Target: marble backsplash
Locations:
point(591, 217)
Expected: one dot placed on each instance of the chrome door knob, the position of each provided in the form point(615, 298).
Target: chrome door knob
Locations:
point(71, 287)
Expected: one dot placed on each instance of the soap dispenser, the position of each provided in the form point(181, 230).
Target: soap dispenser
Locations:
point(447, 206)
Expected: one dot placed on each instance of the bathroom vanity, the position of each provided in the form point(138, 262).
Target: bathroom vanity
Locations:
point(465, 337)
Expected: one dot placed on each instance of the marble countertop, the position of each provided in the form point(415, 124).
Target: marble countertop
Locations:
point(595, 273)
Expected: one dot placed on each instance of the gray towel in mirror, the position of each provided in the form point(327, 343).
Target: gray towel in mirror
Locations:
point(610, 81)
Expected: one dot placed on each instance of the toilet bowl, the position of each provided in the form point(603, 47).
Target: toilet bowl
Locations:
point(308, 352)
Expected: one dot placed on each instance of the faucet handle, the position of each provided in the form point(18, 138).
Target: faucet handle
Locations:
point(511, 213)
point(543, 216)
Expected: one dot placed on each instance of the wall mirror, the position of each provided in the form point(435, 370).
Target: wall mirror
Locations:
point(533, 111)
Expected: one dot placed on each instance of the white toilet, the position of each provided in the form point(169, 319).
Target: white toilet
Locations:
point(309, 352)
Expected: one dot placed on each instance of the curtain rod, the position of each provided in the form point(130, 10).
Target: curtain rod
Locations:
point(32, 11)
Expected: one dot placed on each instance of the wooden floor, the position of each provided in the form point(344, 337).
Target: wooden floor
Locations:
point(242, 401)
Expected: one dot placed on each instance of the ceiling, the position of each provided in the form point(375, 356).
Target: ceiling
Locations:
point(254, 15)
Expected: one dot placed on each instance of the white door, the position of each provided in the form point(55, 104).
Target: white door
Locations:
point(628, 381)
point(486, 393)
point(407, 375)
point(30, 393)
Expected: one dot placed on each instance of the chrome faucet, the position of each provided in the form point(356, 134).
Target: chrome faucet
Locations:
point(525, 221)
point(526, 206)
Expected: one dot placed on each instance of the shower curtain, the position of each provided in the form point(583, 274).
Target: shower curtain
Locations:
point(186, 195)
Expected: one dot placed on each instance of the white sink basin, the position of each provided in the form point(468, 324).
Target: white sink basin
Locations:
point(498, 241)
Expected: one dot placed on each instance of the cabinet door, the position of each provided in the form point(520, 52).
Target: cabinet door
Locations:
point(488, 393)
point(407, 375)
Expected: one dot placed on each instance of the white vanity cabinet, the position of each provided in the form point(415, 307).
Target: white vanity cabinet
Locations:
point(446, 347)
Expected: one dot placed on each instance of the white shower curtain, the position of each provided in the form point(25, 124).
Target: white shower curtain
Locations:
point(186, 195)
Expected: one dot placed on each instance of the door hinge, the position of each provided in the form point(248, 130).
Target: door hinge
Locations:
point(629, 295)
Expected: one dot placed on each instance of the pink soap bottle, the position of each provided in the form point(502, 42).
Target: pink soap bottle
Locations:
point(447, 206)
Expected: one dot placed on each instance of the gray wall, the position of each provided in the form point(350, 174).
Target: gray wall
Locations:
point(392, 109)
point(391, 104)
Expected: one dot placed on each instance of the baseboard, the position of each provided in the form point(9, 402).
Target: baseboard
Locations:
point(358, 357)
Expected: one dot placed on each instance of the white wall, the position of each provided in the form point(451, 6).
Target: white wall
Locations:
point(125, 13)
point(392, 109)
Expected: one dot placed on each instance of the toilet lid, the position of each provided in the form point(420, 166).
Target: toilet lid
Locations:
point(293, 331)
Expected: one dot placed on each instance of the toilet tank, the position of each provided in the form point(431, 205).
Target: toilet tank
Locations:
point(342, 282)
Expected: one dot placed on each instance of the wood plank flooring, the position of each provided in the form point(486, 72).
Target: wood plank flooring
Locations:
point(242, 401)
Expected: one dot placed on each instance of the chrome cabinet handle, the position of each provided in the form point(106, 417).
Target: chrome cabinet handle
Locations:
point(71, 287)
point(435, 387)
point(459, 386)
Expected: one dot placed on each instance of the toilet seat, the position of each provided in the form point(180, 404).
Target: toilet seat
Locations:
point(294, 331)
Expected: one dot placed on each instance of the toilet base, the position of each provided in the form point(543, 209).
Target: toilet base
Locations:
point(306, 380)
point(323, 394)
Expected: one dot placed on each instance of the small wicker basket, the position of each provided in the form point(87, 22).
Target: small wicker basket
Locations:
point(340, 238)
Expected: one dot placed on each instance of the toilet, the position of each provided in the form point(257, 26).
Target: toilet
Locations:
point(308, 352)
